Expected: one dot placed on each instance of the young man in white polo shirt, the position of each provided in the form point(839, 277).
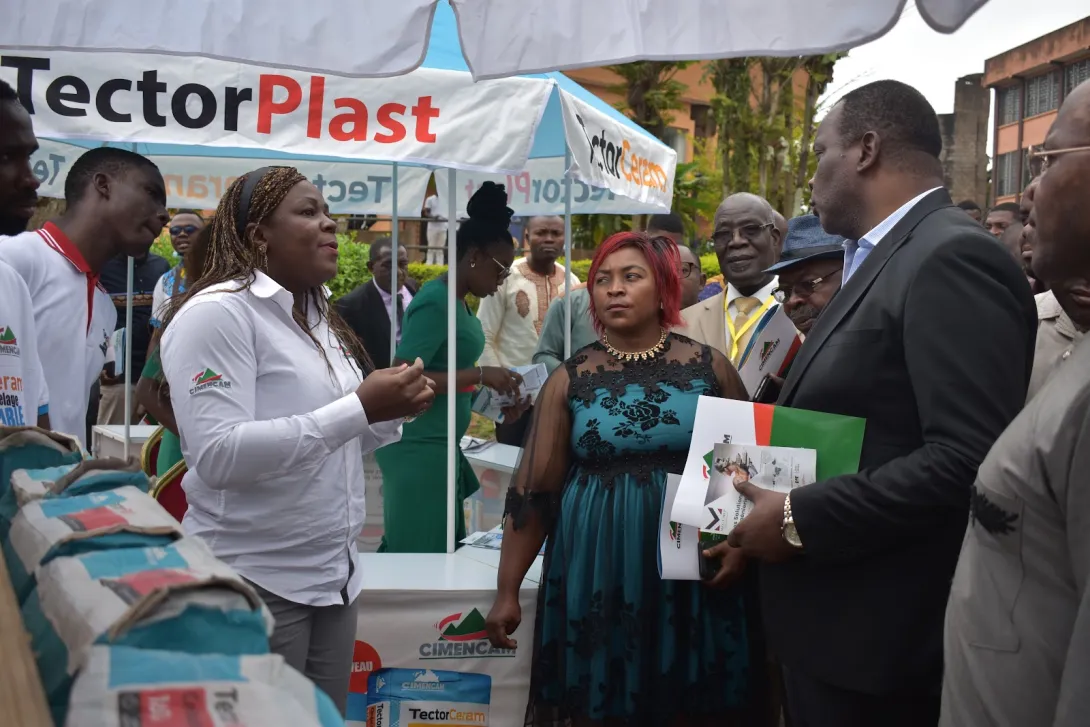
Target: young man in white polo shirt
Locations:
point(116, 206)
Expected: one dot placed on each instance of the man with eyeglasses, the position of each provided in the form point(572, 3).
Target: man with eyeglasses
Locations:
point(183, 227)
point(1017, 631)
point(809, 271)
point(747, 241)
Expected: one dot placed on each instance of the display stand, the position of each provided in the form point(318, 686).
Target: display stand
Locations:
point(427, 612)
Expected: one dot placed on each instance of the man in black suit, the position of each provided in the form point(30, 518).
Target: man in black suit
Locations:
point(931, 341)
point(368, 309)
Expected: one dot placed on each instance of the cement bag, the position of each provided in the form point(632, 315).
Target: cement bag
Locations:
point(66, 526)
point(411, 697)
point(176, 598)
point(124, 687)
point(33, 448)
point(93, 475)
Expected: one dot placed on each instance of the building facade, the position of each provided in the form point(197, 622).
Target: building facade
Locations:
point(965, 141)
point(1030, 83)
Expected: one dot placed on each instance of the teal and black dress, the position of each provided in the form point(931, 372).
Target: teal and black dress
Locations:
point(613, 642)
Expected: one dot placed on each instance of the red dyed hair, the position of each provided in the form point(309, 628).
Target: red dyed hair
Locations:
point(664, 260)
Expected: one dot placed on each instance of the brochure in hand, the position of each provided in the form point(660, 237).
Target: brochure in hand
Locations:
point(489, 403)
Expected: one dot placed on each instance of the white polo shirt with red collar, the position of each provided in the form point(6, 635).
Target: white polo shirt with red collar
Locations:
point(74, 317)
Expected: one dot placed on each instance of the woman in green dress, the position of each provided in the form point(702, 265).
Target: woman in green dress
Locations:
point(413, 470)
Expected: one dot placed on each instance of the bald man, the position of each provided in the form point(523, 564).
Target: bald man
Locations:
point(1017, 636)
point(747, 240)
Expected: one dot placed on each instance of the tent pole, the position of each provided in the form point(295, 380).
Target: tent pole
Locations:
point(452, 371)
point(127, 339)
point(128, 348)
point(394, 287)
point(567, 253)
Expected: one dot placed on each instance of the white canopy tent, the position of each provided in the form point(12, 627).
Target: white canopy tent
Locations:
point(373, 38)
point(434, 117)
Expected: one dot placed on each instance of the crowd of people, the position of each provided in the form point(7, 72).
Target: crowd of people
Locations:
point(944, 583)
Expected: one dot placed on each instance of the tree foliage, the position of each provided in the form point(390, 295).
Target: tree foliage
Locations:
point(764, 128)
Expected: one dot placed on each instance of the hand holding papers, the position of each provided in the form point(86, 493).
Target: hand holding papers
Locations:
point(490, 403)
point(774, 468)
point(790, 443)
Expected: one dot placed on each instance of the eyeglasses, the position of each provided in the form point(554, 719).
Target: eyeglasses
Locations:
point(723, 237)
point(803, 289)
point(505, 272)
point(187, 229)
point(1045, 156)
point(686, 270)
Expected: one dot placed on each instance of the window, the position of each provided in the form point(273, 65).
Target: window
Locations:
point(1006, 174)
point(1009, 101)
point(703, 121)
point(1076, 73)
point(676, 140)
point(1043, 94)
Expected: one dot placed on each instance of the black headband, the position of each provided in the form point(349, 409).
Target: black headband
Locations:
point(252, 179)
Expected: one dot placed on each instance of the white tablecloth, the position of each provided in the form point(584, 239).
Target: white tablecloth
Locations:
point(411, 604)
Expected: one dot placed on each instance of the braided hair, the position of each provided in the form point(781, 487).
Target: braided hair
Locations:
point(231, 256)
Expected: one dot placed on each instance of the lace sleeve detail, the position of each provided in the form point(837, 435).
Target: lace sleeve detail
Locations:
point(545, 461)
point(727, 380)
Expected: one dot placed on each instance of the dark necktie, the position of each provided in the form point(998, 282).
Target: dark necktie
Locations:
point(399, 307)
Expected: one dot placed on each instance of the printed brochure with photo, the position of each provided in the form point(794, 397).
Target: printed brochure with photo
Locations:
point(489, 403)
point(780, 469)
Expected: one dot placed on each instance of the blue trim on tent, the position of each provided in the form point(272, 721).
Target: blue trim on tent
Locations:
point(444, 53)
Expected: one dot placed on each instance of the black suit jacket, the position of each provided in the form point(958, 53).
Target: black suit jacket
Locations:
point(931, 341)
point(366, 314)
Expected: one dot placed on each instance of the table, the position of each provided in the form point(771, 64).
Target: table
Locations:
point(493, 464)
point(427, 612)
point(108, 440)
point(491, 455)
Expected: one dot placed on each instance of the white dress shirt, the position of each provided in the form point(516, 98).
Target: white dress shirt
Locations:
point(761, 295)
point(274, 438)
point(856, 252)
point(388, 301)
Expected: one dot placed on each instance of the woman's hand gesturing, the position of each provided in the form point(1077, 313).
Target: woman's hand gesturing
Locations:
point(396, 393)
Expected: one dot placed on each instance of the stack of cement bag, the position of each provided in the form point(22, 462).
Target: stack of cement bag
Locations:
point(128, 618)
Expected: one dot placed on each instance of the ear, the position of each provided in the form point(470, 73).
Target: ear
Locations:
point(777, 240)
point(703, 279)
point(102, 184)
point(870, 146)
point(256, 233)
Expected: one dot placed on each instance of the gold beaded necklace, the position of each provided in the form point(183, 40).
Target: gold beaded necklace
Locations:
point(632, 356)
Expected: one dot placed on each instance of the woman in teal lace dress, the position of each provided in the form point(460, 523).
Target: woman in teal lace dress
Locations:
point(614, 644)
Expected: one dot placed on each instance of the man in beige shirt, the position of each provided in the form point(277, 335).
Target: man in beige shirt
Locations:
point(1064, 316)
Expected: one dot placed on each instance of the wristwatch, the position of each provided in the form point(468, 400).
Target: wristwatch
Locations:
point(789, 531)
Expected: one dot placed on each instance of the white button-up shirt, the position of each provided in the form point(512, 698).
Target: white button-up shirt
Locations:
point(856, 252)
point(274, 439)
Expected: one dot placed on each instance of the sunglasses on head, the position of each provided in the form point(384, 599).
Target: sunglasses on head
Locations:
point(187, 229)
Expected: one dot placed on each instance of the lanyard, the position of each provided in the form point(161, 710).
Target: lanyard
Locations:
point(736, 336)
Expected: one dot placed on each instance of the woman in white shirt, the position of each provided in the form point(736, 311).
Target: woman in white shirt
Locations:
point(276, 403)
